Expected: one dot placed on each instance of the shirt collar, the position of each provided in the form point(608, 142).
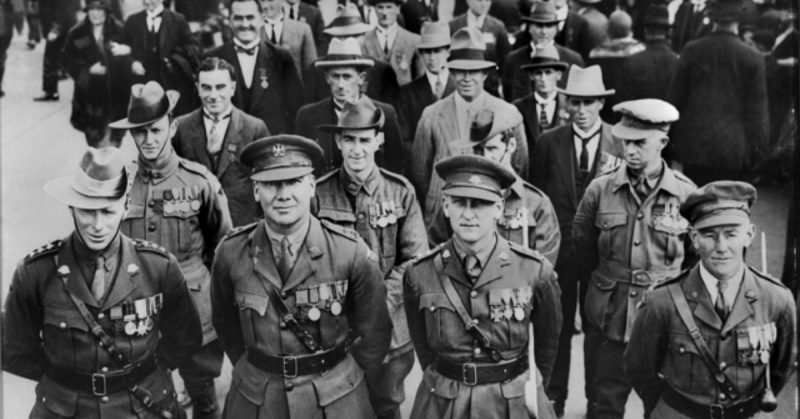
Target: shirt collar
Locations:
point(274, 21)
point(541, 99)
point(353, 184)
point(155, 13)
point(225, 114)
point(592, 131)
point(710, 281)
point(651, 178)
point(296, 239)
point(253, 44)
point(160, 169)
point(550, 43)
point(472, 18)
point(517, 188)
point(391, 30)
point(482, 254)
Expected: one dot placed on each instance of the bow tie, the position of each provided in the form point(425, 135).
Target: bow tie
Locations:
point(244, 50)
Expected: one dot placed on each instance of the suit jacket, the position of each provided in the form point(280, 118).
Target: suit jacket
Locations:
point(528, 107)
point(381, 83)
point(517, 83)
point(689, 25)
point(575, 34)
point(403, 57)
point(437, 131)
point(313, 17)
point(296, 37)
point(312, 115)
point(415, 13)
point(497, 46)
point(413, 99)
point(719, 88)
point(647, 74)
point(276, 91)
point(190, 142)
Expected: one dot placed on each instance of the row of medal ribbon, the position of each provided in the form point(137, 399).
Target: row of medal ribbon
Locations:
point(327, 295)
point(181, 199)
point(508, 303)
point(754, 343)
point(135, 317)
point(382, 214)
point(515, 220)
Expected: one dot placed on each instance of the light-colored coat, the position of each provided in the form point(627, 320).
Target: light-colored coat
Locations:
point(402, 54)
point(298, 39)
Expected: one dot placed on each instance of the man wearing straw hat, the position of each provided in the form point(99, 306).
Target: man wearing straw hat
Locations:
point(449, 119)
point(745, 318)
point(99, 319)
point(628, 235)
point(180, 205)
point(382, 207)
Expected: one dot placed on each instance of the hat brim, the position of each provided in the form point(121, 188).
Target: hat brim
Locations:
point(62, 191)
point(474, 193)
point(558, 65)
point(471, 65)
point(600, 93)
point(551, 22)
point(359, 62)
point(350, 30)
point(434, 45)
point(283, 173)
point(723, 219)
point(125, 123)
point(625, 132)
point(337, 128)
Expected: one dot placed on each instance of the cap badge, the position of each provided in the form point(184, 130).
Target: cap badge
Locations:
point(278, 150)
point(475, 180)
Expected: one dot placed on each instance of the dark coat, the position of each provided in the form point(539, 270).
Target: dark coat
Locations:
point(497, 51)
point(517, 83)
point(528, 107)
point(415, 14)
point(647, 74)
point(190, 142)
point(413, 99)
point(576, 34)
point(197, 10)
point(310, 14)
point(276, 91)
point(310, 116)
point(719, 89)
point(596, 27)
point(381, 83)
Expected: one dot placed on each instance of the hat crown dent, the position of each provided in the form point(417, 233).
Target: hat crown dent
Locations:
point(467, 38)
point(586, 82)
point(360, 114)
point(100, 179)
point(344, 46)
point(148, 103)
point(434, 35)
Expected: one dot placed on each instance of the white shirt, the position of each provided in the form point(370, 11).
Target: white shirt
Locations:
point(710, 282)
point(278, 25)
point(432, 78)
point(466, 111)
point(154, 19)
point(592, 145)
point(389, 34)
point(474, 21)
point(337, 108)
point(247, 62)
point(549, 105)
point(543, 44)
point(221, 128)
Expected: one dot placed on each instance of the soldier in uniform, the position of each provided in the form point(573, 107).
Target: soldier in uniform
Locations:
point(745, 318)
point(180, 205)
point(99, 319)
point(382, 207)
point(628, 235)
point(299, 304)
point(528, 215)
point(498, 286)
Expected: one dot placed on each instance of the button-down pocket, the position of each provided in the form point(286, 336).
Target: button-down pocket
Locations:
point(684, 368)
point(442, 323)
point(252, 308)
point(611, 236)
point(53, 399)
point(338, 382)
point(669, 239)
point(62, 332)
point(598, 296)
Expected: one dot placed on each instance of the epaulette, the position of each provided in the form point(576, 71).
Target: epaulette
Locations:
point(397, 177)
point(525, 251)
point(148, 246)
point(327, 176)
point(683, 178)
point(194, 167)
point(342, 231)
point(241, 230)
point(47, 249)
point(530, 186)
point(608, 172)
point(768, 277)
point(428, 254)
point(677, 278)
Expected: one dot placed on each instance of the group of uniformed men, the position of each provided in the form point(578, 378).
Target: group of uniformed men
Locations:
point(319, 284)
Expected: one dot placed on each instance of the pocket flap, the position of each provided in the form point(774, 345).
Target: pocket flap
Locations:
point(434, 301)
point(607, 220)
point(682, 343)
point(337, 216)
point(602, 283)
point(255, 302)
point(250, 382)
point(135, 211)
point(338, 382)
point(516, 387)
point(56, 398)
point(63, 318)
point(440, 385)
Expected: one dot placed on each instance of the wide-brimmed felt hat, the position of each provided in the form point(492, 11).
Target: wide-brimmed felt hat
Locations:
point(361, 114)
point(657, 15)
point(723, 202)
point(726, 10)
point(148, 103)
point(644, 118)
point(344, 52)
point(348, 22)
point(468, 51)
point(281, 157)
point(545, 57)
point(585, 82)
point(542, 12)
point(473, 176)
point(101, 180)
point(434, 35)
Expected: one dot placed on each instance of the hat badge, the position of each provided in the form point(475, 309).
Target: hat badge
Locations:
point(278, 150)
point(475, 180)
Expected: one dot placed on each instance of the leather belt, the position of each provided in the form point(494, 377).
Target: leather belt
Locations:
point(293, 366)
point(689, 408)
point(472, 374)
point(101, 384)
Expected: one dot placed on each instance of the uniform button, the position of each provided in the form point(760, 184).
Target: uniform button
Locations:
point(104, 399)
point(640, 215)
point(284, 295)
point(722, 396)
point(634, 293)
point(62, 325)
point(282, 325)
point(44, 399)
point(473, 294)
point(151, 227)
point(636, 242)
point(722, 365)
point(101, 316)
point(681, 349)
point(289, 386)
point(433, 390)
point(360, 215)
point(477, 351)
point(151, 204)
point(104, 369)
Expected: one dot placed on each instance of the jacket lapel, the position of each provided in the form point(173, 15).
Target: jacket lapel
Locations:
point(230, 144)
point(743, 305)
point(311, 250)
point(197, 131)
point(371, 44)
point(263, 261)
point(75, 284)
point(496, 266)
point(700, 300)
point(452, 266)
point(567, 164)
point(261, 69)
point(127, 274)
point(448, 119)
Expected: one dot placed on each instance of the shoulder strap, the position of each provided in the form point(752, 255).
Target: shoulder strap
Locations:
point(286, 316)
point(470, 324)
point(688, 320)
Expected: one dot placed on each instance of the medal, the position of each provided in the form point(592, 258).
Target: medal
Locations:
point(314, 314)
point(336, 308)
point(519, 313)
point(141, 329)
point(391, 218)
point(169, 207)
point(195, 205)
point(148, 324)
point(185, 206)
point(514, 223)
point(507, 312)
point(764, 356)
point(382, 222)
point(130, 328)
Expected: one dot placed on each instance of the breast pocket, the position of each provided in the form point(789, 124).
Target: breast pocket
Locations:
point(509, 310)
point(62, 334)
point(252, 308)
point(597, 302)
point(669, 238)
point(684, 368)
point(182, 227)
point(612, 235)
point(442, 323)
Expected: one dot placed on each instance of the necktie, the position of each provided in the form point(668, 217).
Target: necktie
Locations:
point(99, 279)
point(214, 136)
point(273, 37)
point(386, 45)
point(438, 88)
point(642, 188)
point(244, 50)
point(285, 262)
point(543, 124)
point(721, 307)
point(472, 267)
point(291, 13)
point(583, 160)
point(151, 22)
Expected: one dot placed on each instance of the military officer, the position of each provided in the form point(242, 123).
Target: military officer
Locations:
point(299, 304)
point(97, 318)
point(528, 215)
point(470, 301)
point(746, 345)
point(628, 235)
point(382, 207)
point(180, 205)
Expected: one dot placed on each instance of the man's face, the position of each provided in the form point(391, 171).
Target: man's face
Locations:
point(542, 33)
point(286, 203)
point(479, 7)
point(471, 219)
point(721, 248)
point(387, 13)
point(246, 21)
point(98, 227)
point(97, 15)
point(358, 149)
point(498, 150)
point(271, 8)
point(151, 5)
point(152, 139)
point(644, 153)
point(584, 111)
point(469, 84)
point(345, 83)
point(435, 59)
point(215, 88)
point(545, 80)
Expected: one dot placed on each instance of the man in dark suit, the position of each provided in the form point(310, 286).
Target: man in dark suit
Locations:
point(565, 162)
point(215, 134)
point(267, 85)
point(310, 14)
point(345, 72)
point(596, 24)
point(57, 17)
point(691, 22)
point(162, 49)
point(573, 32)
point(542, 27)
point(416, 12)
point(293, 35)
point(719, 89)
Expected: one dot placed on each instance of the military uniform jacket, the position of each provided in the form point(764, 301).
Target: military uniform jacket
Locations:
point(43, 327)
point(182, 207)
point(333, 261)
point(514, 278)
point(661, 351)
point(385, 213)
point(627, 245)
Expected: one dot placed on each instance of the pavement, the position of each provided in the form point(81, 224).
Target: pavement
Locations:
point(38, 144)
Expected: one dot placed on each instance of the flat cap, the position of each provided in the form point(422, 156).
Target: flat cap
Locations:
point(724, 202)
point(281, 157)
point(477, 177)
point(643, 118)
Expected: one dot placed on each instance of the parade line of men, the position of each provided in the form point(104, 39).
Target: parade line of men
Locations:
point(321, 271)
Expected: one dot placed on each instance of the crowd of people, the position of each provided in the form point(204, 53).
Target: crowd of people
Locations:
point(322, 202)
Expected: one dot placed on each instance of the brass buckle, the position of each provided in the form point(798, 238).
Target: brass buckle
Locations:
point(469, 374)
point(290, 366)
point(716, 411)
point(99, 387)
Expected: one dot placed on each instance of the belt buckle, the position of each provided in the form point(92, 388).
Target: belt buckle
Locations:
point(465, 374)
point(716, 411)
point(99, 387)
point(290, 366)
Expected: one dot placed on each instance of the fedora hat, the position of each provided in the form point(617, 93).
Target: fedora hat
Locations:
point(545, 57)
point(348, 22)
point(344, 52)
point(468, 51)
point(149, 103)
point(102, 179)
point(97, 4)
point(585, 82)
point(361, 114)
point(542, 12)
point(657, 15)
point(434, 35)
point(726, 10)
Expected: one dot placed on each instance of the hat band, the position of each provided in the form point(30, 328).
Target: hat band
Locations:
point(443, 40)
point(87, 186)
point(345, 21)
point(282, 166)
point(451, 185)
point(634, 123)
point(468, 54)
point(720, 208)
point(342, 57)
point(139, 112)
